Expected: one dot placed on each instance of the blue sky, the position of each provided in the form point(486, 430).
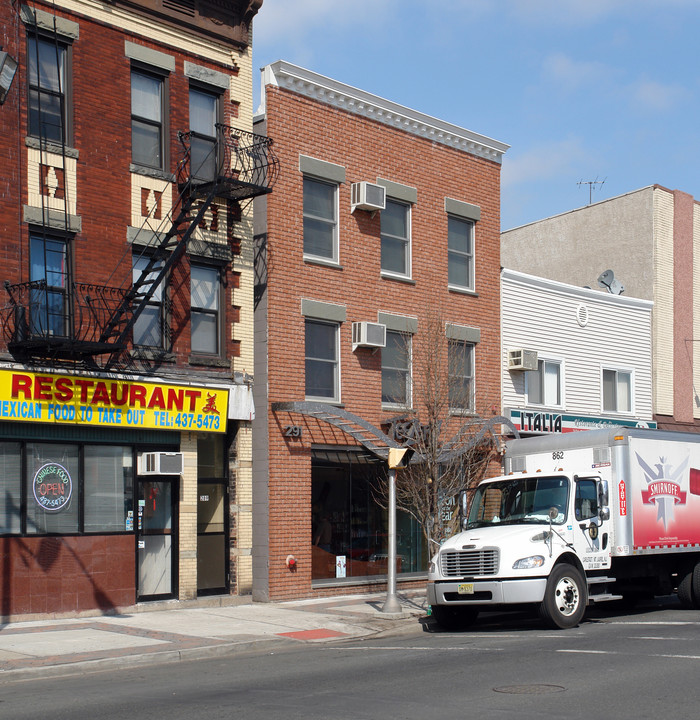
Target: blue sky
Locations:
point(580, 89)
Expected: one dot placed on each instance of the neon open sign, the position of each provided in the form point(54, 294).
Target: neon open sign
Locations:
point(52, 487)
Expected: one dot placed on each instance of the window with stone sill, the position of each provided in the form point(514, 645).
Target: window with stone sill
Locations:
point(49, 89)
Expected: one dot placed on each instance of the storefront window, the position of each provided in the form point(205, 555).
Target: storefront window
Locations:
point(349, 527)
point(109, 483)
point(52, 488)
point(10, 487)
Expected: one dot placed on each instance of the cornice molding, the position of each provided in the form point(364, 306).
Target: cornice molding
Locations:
point(359, 102)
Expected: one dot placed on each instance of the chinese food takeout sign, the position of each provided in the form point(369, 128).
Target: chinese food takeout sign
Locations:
point(52, 487)
point(80, 400)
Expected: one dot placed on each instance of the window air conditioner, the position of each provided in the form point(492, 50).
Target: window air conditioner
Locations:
point(367, 334)
point(366, 196)
point(161, 463)
point(522, 359)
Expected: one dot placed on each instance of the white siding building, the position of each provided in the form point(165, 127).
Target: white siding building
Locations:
point(650, 239)
point(593, 356)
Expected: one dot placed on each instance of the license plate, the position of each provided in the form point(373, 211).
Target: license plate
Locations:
point(465, 588)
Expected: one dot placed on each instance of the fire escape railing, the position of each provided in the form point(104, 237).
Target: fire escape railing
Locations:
point(87, 320)
point(60, 323)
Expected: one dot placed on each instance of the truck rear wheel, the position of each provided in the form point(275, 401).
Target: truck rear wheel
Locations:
point(689, 588)
point(685, 591)
point(696, 584)
point(454, 618)
point(565, 597)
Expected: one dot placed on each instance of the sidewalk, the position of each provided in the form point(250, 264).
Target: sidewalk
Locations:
point(43, 648)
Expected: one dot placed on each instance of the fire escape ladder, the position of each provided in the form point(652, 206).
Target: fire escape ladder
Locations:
point(237, 166)
point(163, 258)
point(64, 320)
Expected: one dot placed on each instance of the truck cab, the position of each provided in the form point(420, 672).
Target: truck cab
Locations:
point(539, 539)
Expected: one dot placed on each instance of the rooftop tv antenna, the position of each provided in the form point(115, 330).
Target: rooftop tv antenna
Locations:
point(591, 184)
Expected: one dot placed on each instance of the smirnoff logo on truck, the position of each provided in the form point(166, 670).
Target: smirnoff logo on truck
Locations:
point(663, 487)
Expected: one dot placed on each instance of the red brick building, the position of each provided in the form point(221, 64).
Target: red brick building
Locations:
point(126, 351)
point(382, 218)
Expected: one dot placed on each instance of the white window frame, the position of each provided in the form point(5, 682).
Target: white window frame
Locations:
point(203, 144)
point(51, 310)
point(617, 371)
point(157, 301)
point(335, 256)
point(459, 253)
point(542, 364)
point(160, 123)
point(408, 251)
point(407, 338)
point(209, 310)
point(38, 89)
point(471, 347)
point(335, 362)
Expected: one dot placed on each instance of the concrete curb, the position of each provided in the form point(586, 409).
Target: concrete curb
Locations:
point(170, 656)
point(338, 620)
point(164, 657)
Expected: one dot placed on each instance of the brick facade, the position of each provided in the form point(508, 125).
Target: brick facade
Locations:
point(311, 124)
point(89, 193)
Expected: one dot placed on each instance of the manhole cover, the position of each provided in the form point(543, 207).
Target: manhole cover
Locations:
point(529, 689)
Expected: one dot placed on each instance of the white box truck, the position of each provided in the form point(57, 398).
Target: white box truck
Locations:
point(578, 518)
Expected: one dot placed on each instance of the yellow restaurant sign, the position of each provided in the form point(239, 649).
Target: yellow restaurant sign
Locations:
point(79, 400)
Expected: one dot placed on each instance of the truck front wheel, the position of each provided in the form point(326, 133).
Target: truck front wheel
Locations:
point(565, 597)
point(457, 617)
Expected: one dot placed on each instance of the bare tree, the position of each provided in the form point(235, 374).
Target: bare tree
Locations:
point(452, 434)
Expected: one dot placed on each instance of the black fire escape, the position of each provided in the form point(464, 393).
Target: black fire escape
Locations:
point(89, 324)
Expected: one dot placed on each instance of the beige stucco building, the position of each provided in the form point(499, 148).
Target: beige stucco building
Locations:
point(650, 240)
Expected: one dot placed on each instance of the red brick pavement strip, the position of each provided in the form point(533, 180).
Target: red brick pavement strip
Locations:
point(318, 634)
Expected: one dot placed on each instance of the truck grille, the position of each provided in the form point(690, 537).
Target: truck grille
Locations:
point(459, 563)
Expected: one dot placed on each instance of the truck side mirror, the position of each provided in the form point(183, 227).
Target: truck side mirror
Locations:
point(463, 509)
point(603, 500)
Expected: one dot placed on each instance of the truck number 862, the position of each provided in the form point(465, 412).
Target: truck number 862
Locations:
point(558, 455)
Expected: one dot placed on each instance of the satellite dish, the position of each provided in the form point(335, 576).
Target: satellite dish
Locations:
point(607, 280)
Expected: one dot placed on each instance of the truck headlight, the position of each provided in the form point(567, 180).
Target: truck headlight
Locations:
point(431, 567)
point(534, 561)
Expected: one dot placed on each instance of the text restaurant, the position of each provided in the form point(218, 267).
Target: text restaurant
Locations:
point(112, 490)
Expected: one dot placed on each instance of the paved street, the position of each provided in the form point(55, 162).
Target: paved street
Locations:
point(616, 664)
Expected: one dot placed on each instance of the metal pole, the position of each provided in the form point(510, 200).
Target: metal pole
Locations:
point(391, 604)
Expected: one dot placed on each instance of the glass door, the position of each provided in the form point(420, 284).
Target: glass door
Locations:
point(212, 563)
point(156, 538)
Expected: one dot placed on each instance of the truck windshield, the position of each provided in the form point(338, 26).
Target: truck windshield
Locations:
point(519, 500)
